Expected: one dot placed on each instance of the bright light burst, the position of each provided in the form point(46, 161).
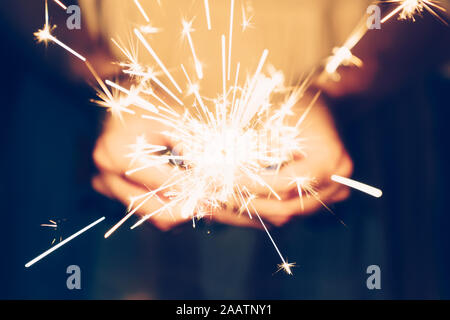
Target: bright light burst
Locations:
point(63, 242)
point(408, 9)
point(223, 144)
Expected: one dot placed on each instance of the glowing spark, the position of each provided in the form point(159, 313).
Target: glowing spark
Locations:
point(304, 188)
point(407, 9)
point(235, 84)
point(46, 253)
point(187, 29)
point(374, 192)
point(59, 3)
point(64, 46)
point(138, 4)
point(224, 81)
point(208, 16)
point(246, 21)
point(155, 56)
point(149, 29)
point(134, 97)
point(286, 266)
point(230, 38)
point(193, 88)
point(342, 56)
point(99, 80)
point(49, 225)
point(44, 35)
point(118, 224)
point(53, 225)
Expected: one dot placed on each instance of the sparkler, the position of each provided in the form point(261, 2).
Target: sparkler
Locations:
point(406, 9)
point(55, 226)
point(374, 192)
point(225, 142)
point(187, 29)
point(141, 10)
point(246, 20)
point(208, 15)
point(230, 39)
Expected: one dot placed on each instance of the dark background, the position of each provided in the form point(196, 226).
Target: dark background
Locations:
point(48, 130)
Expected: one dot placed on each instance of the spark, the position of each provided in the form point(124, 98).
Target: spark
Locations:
point(45, 35)
point(49, 225)
point(207, 12)
point(285, 265)
point(187, 29)
point(305, 187)
point(46, 253)
point(246, 21)
point(342, 56)
point(374, 192)
point(122, 221)
point(134, 97)
point(52, 224)
point(64, 46)
point(141, 10)
point(407, 9)
point(59, 3)
point(115, 103)
point(194, 88)
point(155, 56)
point(55, 225)
point(42, 35)
point(149, 29)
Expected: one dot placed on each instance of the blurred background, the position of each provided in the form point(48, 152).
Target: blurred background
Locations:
point(398, 140)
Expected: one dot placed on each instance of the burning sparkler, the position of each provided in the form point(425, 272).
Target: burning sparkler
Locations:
point(46, 253)
point(408, 9)
point(55, 226)
point(241, 135)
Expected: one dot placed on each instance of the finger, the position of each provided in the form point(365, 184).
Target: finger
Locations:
point(279, 212)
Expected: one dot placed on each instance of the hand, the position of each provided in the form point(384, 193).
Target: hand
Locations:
point(110, 158)
point(325, 156)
